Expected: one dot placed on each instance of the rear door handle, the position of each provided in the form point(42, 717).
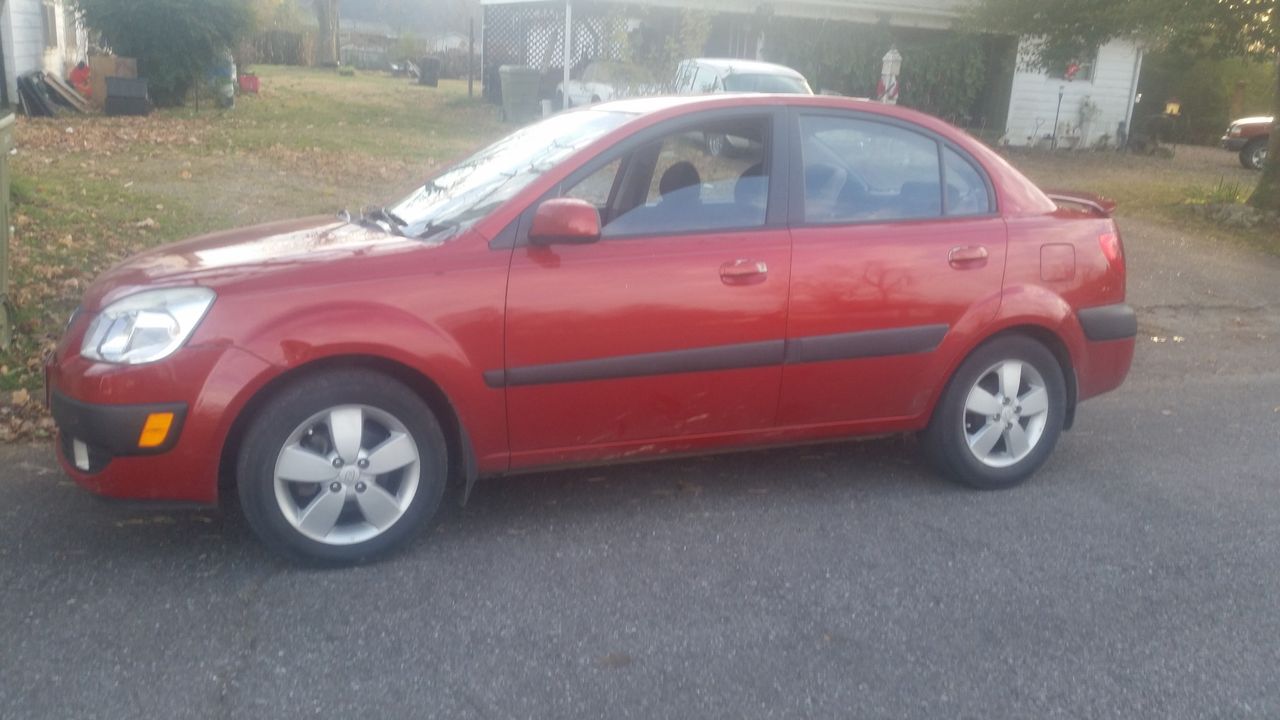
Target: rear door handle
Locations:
point(743, 272)
point(962, 258)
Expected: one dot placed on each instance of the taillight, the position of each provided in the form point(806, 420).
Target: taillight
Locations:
point(1111, 248)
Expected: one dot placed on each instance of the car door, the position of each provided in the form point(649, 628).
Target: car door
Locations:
point(672, 324)
point(886, 268)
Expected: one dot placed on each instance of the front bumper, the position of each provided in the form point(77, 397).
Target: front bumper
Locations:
point(90, 435)
point(105, 408)
point(1234, 144)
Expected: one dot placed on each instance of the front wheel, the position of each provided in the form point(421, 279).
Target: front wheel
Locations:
point(341, 467)
point(1000, 416)
point(1254, 155)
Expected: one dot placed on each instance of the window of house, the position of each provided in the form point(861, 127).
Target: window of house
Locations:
point(50, 16)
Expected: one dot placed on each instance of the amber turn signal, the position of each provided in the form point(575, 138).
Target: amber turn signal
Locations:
point(156, 430)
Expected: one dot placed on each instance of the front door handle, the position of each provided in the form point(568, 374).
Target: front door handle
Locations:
point(743, 272)
point(963, 258)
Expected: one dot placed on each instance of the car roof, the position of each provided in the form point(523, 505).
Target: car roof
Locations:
point(746, 67)
point(663, 103)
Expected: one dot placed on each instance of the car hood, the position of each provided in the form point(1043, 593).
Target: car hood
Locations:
point(224, 258)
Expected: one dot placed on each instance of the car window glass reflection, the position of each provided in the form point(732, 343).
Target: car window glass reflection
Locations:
point(855, 170)
point(713, 178)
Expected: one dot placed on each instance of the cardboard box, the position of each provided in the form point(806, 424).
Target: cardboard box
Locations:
point(102, 67)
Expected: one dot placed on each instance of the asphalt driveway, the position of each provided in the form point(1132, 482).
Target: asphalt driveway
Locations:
point(1138, 575)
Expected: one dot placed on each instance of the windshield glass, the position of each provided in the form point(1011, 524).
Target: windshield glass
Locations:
point(471, 189)
point(766, 84)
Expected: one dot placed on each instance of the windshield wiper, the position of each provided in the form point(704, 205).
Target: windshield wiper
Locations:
point(383, 219)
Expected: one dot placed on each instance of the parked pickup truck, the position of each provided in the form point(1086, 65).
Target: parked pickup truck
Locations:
point(1249, 137)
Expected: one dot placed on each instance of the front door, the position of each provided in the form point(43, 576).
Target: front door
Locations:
point(673, 324)
point(886, 267)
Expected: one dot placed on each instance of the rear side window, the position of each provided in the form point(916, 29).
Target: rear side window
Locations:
point(863, 171)
point(967, 192)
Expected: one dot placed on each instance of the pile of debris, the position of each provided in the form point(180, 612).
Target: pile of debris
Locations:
point(104, 83)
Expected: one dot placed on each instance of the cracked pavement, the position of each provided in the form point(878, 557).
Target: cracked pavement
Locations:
point(1136, 576)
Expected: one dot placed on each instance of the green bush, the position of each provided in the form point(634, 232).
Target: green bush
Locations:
point(175, 42)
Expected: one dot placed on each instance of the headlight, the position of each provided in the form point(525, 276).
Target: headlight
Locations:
point(146, 327)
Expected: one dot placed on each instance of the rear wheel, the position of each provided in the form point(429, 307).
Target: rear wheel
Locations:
point(1254, 155)
point(1000, 416)
point(342, 467)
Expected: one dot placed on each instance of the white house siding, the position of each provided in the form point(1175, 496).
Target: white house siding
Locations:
point(22, 32)
point(1034, 100)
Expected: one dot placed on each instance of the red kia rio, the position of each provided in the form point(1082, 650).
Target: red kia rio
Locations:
point(597, 288)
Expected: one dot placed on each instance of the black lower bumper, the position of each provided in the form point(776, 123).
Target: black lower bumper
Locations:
point(1234, 144)
point(111, 431)
point(1109, 322)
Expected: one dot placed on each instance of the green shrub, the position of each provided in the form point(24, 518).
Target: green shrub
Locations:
point(174, 41)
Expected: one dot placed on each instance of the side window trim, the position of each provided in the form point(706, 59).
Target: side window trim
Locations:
point(776, 212)
point(796, 211)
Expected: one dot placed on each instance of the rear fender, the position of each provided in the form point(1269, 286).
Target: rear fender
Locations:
point(1029, 309)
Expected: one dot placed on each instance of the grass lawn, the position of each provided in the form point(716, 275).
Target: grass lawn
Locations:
point(89, 191)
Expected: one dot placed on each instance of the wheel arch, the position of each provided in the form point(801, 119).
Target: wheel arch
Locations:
point(1043, 335)
point(462, 464)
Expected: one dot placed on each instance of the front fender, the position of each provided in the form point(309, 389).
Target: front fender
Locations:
point(327, 329)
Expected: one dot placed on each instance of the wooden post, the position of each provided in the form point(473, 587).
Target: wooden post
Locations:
point(471, 58)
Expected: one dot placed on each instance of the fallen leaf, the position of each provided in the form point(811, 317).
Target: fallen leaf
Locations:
point(615, 660)
point(21, 397)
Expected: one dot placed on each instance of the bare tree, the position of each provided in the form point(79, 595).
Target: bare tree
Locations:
point(327, 41)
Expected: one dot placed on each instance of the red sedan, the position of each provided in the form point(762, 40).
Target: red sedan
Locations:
point(597, 288)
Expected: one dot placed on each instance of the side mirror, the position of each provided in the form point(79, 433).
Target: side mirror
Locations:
point(565, 221)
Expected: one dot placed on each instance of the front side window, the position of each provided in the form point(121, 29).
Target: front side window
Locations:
point(678, 184)
point(864, 171)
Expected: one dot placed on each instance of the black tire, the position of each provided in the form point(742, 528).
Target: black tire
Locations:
point(1254, 155)
point(946, 439)
point(267, 434)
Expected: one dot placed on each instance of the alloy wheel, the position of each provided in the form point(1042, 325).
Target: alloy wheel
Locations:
point(1005, 413)
point(1258, 157)
point(347, 474)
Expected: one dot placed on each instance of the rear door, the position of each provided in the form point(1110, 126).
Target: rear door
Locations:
point(886, 266)
point(674, 323)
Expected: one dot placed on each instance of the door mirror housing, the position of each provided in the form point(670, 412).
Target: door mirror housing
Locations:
point(565, 221)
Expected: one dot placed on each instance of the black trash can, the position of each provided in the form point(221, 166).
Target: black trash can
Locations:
point(429, 72)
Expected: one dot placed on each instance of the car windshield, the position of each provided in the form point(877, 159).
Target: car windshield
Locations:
point(766, 84)
point(468, 191)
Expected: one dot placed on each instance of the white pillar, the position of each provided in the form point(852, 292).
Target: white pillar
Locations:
point(568, 48)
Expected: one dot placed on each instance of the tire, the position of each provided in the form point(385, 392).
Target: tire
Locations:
point(312, 494)
point(1254, 155)
point(959, 440)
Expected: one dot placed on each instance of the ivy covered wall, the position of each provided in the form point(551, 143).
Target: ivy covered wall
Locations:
point(964, 78)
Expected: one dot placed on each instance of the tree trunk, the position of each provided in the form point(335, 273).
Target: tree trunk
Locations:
point(1267, 195)
point(327, 40)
